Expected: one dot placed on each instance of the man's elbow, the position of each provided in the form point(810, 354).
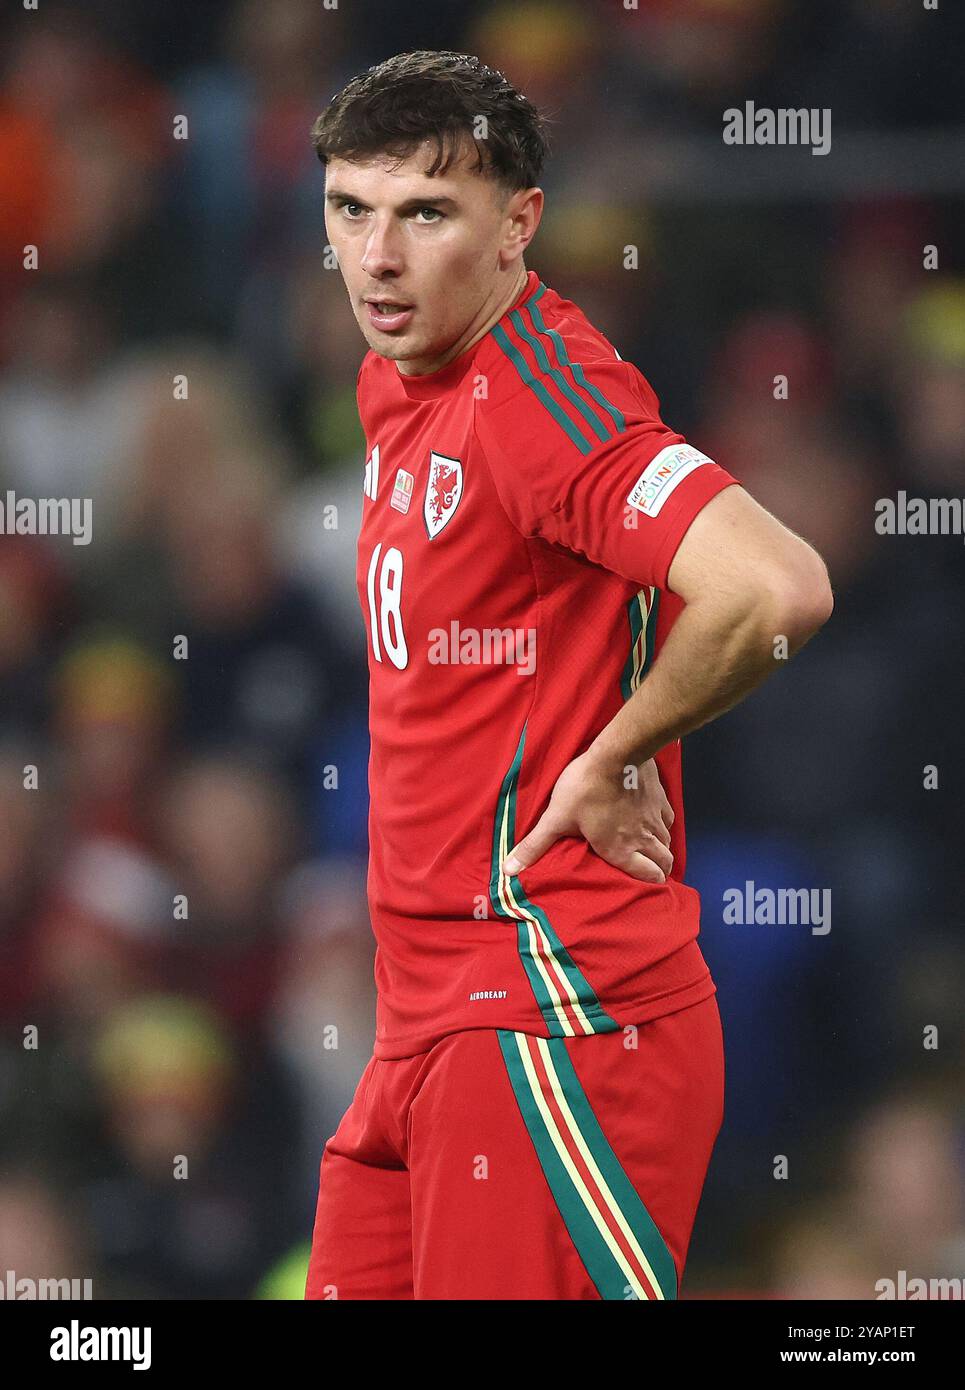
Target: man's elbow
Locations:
point(799, 596)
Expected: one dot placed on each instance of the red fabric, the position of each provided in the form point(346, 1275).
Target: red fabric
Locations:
point(406, 1209)
point(537, 542)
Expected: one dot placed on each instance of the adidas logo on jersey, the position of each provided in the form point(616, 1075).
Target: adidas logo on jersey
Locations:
point(371, 484)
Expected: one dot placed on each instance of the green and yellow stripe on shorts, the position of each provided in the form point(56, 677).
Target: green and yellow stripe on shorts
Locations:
point(617, 1240)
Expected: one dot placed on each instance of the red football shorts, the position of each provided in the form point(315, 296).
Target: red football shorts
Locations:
point(498, 1165)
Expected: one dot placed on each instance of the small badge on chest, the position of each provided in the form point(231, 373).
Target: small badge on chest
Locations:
point(402, 492)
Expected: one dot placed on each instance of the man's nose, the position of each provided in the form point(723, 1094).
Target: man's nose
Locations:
point(382, 253)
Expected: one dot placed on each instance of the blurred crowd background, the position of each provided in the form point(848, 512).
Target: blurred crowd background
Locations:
point(235, 1037)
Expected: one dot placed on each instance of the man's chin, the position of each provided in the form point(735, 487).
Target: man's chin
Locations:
point(395, 352)
point(396, 348)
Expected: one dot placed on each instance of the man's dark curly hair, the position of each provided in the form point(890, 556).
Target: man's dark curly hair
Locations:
point(437, 95)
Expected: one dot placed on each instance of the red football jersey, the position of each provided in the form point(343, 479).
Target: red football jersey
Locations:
point(522, 508)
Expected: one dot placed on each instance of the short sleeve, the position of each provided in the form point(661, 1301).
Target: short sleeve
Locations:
point(581, 458)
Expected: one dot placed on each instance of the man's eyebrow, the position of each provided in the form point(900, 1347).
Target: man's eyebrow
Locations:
point(336, 195)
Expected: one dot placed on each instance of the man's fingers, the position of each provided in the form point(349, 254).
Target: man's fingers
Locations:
point(652, 863)
point(640, 866)
point(661, 830)
point(655, 850)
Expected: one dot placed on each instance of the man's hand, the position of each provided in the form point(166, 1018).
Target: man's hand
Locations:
point(629, 827)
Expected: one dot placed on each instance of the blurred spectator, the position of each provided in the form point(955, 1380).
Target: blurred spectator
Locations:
point(188, 1194)
point(227, 827)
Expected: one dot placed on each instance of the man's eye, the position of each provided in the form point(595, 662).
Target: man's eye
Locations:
point(433, 212)
point(347, 206)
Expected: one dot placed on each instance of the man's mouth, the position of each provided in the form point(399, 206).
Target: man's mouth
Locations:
point(388, 314)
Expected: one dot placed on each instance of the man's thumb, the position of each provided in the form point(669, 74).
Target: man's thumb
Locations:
point(532, 847)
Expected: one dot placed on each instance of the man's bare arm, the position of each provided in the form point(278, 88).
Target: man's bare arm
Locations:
point(747, 581)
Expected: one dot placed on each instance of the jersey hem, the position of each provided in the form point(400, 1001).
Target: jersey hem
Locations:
point(644, 1011)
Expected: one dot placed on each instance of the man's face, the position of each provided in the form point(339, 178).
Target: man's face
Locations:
point(443, 248)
